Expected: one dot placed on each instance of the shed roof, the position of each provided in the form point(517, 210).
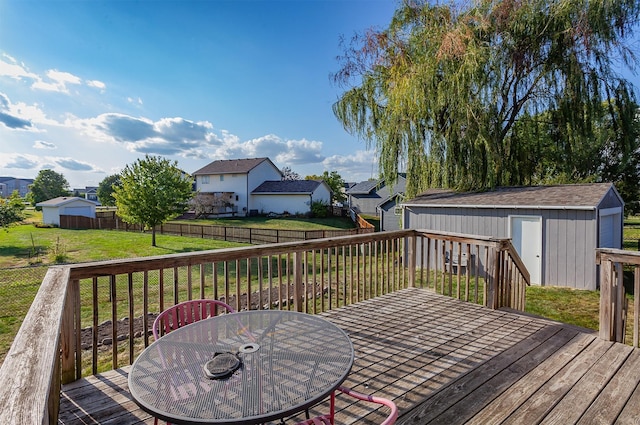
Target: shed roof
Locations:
point(287, 186)
point(63, 200)
point(564, 196)
point(232, 166)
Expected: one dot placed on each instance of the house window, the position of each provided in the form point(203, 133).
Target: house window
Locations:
point(397, 210)
point(205, 179)
point(221, 177)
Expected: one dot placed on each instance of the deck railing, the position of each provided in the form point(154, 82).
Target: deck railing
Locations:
point(309, 276)
point(614, 305)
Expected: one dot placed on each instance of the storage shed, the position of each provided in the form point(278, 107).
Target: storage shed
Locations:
point(65, 205)
point(555, 229)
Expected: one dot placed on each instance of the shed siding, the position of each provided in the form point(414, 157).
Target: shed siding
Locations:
point(279, 204)
point(388, 218)
point(610, 200)
point(568, 237)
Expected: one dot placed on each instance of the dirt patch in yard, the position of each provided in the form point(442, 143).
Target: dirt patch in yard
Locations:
point(105, 329)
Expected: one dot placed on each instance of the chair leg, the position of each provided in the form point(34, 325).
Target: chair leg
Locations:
point(332, 408)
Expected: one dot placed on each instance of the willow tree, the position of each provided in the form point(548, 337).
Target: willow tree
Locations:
point(439, 93)
point(151, 191)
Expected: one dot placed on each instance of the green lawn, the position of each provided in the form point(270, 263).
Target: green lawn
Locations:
point(26, 244)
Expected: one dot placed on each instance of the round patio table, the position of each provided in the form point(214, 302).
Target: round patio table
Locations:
point(241, 368)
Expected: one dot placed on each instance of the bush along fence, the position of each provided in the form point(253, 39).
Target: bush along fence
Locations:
point(231, 234)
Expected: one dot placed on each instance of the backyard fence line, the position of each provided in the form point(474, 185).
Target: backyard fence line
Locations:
point(225, 233)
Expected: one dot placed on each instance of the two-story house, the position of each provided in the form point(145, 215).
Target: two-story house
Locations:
point(233, 180)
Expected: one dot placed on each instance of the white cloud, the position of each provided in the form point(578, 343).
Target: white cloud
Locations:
point(22, 116)
point(58, 83)
point(132, 100)
point(41, 144)
point(23, 162)
point(359, 166)
point(13, 70)
point(74, 165)
point(284, 152)
point(97, 84)
point(35, 163)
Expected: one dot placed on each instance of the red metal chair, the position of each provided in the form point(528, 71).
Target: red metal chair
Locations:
point(184, 313)
point(329, 418)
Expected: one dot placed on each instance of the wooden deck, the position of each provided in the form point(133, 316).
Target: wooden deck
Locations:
point(444, 362)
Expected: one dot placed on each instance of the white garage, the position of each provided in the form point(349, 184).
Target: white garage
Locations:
point(66, 205)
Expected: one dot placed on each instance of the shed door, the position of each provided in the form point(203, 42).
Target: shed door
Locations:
point(526, 236)
point(610, 224)
point(82, 211)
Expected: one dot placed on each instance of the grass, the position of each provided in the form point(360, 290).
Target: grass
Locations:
point(567, 305)
point(28, 245)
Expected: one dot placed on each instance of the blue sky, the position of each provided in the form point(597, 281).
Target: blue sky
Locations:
point(87, 87)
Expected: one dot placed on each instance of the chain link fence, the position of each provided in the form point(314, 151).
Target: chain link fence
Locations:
point(18, 288)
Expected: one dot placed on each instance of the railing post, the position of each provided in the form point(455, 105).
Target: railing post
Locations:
point(412, 260)
point(493, 295)
point(606, 300)
point(68, 342)
point(298, 291)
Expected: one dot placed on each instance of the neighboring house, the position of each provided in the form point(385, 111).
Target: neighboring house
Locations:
point(376, 197)
point(65, 205)
point(235, 179)
point(90, 193)
point(292, 196)
point(9, 184)
point(555, 229)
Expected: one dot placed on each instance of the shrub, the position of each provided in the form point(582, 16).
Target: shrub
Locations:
point(319, 209)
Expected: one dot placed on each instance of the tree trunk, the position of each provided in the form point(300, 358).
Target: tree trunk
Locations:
point(153, 236)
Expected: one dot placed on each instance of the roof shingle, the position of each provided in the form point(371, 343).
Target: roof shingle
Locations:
point(231, 166)
point(567, 195)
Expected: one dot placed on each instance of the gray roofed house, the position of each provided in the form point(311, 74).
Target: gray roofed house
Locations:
point(291, 196)
point(233, 180)
point(365, 197)
point(231, 166)
point(555, 229)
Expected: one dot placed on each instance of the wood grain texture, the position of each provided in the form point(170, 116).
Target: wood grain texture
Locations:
point(443, 361)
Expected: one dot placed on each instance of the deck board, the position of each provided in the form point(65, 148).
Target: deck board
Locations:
point(443, 361)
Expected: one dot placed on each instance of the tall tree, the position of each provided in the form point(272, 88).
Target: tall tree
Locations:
point(48, 185)
point(151, 191)
point(289, 174)
point(106, 188)
point(441, 91)
point(335, 183)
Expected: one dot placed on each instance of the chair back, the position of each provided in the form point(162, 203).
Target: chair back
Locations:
point(187, 312)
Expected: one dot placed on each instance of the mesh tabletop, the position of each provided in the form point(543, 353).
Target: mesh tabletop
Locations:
point(288, 361)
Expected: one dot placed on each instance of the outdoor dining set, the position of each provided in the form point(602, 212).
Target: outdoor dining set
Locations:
point(212, 365)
